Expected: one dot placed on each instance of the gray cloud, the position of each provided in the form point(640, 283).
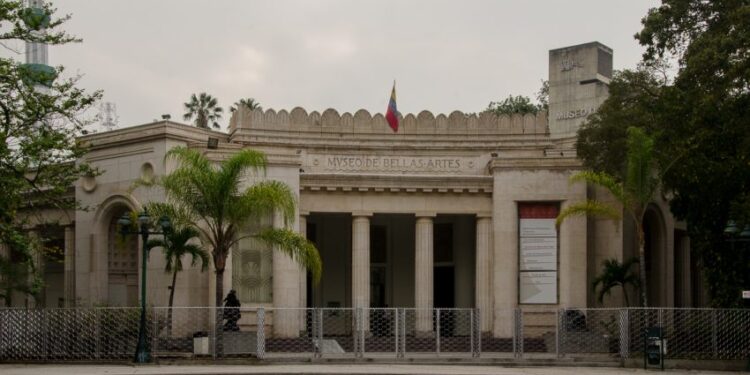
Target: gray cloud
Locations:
point(148, 56)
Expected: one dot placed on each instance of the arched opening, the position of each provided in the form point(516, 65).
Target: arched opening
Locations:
point(122, 262)
point(655, 252)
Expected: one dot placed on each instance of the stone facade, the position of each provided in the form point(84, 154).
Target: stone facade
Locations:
point(398, 212)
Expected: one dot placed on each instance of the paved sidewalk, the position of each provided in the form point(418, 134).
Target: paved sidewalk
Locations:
point(359, 369)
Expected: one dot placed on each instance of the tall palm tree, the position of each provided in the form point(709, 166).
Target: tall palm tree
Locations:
point(205, 109)
point(634, 193)
point(249, 103)
point(208, 196)
point(176, 244)
point(616, 274)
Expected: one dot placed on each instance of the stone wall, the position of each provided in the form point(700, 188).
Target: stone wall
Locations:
point(362, 122)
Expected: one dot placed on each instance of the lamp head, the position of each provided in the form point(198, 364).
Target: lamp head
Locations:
point(731, 228)
point(143, 218)
point(124, 223)
point(165, 223)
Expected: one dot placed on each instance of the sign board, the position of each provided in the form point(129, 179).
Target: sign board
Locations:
point(538, 287)
point(746, 294)
point(538, 228)
point(537, 254)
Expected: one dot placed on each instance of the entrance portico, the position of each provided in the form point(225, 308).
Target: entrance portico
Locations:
point(403, 258)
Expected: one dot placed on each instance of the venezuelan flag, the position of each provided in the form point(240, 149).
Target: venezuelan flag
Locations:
point(391, 115)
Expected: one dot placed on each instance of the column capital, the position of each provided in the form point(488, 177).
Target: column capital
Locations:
point(484, 215)
point(361, 213)
point(304, 213)
point(425, 214)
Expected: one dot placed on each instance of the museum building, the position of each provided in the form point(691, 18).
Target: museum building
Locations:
point(453, 210)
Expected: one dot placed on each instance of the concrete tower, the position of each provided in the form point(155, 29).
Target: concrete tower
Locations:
point(578, 83)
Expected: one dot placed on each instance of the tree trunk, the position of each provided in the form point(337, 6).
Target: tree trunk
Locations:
point(625, 294)
point(642, 261)
point(219, 343)
point(171, 300)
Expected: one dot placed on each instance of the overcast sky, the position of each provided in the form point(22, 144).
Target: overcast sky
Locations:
point(149, 56)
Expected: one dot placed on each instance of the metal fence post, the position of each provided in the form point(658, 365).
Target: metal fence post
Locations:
point(402, 321)
point(518, 333)
point(624, 333)
point(260, 346)
point(437, 331)
point(360, 332)
point(97, 334)
point(395, 332)
point(558, 329)
point(319, 346)
point(154, 332)
point(479, 332)
point(714, 333)
point(471, 332)
point(214, 321)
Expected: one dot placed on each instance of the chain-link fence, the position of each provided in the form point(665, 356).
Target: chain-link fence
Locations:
point(93, 334)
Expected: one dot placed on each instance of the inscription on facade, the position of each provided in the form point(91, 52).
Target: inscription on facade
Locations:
point(395, 163)
point(378, 162)
point(576, 113)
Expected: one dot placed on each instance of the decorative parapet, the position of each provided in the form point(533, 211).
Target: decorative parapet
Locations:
point(330, 121)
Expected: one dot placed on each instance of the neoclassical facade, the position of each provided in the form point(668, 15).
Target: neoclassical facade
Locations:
point(453, 210)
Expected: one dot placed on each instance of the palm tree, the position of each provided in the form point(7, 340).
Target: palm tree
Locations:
point(633, 193)
point(208, 196)
point(249, 103)
point(615, 274)
point(205, 109)
point(176, 245)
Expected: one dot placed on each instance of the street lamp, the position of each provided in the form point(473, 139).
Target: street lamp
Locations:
point(142, 354)
point(733, 234)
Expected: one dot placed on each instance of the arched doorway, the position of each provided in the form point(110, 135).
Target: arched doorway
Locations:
point(122, 262)
point(656, 257)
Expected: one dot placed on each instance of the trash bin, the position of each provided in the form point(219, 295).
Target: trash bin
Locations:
point(654, 348)
point(200, 343)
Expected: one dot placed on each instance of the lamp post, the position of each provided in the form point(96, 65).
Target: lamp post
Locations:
point(142, 354)
point(733, 235)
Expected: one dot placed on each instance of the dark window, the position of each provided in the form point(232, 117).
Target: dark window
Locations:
point(378, 244)
point(443, 242)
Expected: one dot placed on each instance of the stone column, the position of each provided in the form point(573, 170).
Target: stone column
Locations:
point(70, 267)
point(285, 291)
point(361, 264)
point(423, 271)
point(302, 275)
point(505, 270)
point(484, 271)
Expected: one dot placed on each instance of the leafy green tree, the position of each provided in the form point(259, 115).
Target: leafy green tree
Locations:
point(616, 274)
point(706, 109)
point(633, 193)
point(176, 245)
point(698, 120)
point(205, 109)
point(209, 198)
point(633, 102)
point(513, 105)
point(542, 96)
point(40, 117)
point(249, 103)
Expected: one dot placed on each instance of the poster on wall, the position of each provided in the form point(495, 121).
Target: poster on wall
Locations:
point(537, 253)
point(538, 287)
